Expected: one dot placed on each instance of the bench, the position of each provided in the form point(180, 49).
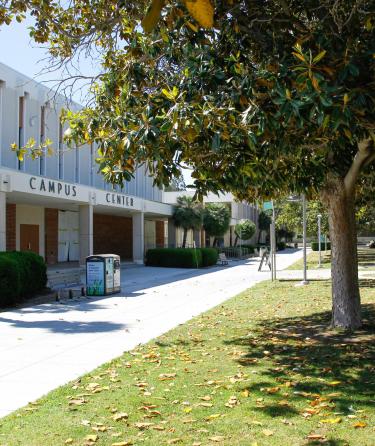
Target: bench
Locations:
point(68, 280)
point(222, 259)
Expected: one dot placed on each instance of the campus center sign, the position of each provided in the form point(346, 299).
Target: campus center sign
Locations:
point(53, 187)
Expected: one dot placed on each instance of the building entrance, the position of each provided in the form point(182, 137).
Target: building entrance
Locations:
point(68, 236)
point(29, 238)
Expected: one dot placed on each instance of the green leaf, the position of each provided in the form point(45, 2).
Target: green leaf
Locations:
point(319, 56)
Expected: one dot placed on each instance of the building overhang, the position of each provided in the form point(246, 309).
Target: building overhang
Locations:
point(36, 190)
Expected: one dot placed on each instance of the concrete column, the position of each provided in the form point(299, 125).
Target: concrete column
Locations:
point(171, 233)
point(3, 219)
point(138, 237)
point(86, 232)
point(197, 238)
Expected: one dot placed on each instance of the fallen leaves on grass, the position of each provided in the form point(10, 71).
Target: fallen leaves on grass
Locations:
point(232, 402)
point(313, 437)
point(217, 438)
point(143, 426)
point(120, 416)
point(267, 432)
point(359, 424)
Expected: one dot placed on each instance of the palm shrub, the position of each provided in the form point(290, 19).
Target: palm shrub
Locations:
point(187, 214)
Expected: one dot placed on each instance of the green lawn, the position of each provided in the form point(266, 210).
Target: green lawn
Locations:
point(366, 260)
point(313, 261)
point(262, 369)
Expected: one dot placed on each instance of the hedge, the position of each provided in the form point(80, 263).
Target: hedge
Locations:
point(22, 274)
point(174, 257)
point(315, 246)
point(209, 256)
point(9, 281)
point(281, 246)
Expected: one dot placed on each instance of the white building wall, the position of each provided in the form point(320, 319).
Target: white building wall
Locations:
point(9, 126)
point(32, 126)
point(52, 132)
point(150, 234)
point(14, 85)
point(85, 162)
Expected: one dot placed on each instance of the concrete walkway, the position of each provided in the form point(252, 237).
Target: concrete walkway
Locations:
point(45, 346)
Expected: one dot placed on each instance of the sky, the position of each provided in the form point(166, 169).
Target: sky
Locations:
point(19, 52)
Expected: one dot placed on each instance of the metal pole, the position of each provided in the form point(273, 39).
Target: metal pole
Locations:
point(240, 242)
point(271, 250)
point(274, 240)
point(319, 240)
point(305, 281)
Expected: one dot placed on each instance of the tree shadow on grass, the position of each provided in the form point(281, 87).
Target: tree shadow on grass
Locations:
point(303, 359)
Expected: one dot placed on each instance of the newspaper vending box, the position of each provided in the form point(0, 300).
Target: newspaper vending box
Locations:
point(103, 274)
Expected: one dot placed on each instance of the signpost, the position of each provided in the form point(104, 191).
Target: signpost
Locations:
point(268, 205)
point(320, 240)
point(304, 281)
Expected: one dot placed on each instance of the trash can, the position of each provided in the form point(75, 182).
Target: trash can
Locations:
point(103, 274)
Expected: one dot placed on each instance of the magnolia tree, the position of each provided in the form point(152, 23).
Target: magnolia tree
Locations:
point(289, 217)
point(259, 98)
point(216, 220)
point(244, 230)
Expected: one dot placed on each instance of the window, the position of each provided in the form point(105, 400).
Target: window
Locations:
point(21, 115)
point(91, 164)
point(42, 159)
point(61, 152)
point(2, 85)
point(76, 178)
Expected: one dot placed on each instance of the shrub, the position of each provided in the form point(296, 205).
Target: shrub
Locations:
point(246, 249)
point(281, 246)
point(9, 281)
point(315, 246)
point(27, 275)
point(209, 256)
point(174, 257)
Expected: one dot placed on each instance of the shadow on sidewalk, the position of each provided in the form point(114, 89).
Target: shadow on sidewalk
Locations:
point(66, 327)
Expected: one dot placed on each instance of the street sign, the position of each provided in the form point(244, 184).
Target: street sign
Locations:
point(267, 205)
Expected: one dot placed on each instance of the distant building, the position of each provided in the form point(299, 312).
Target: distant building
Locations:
point(239, 211)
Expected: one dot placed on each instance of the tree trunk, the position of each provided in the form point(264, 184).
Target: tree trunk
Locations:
point(346, 304)
point(185, 237)
point(259, 235)
point(236, 241)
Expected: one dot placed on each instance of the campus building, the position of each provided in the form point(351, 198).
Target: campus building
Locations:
point(59, 205)
point(238, 211)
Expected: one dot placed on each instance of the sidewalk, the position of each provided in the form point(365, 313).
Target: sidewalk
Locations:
point(45, 346)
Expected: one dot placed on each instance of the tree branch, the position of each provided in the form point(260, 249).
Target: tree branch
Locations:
point(365, 154)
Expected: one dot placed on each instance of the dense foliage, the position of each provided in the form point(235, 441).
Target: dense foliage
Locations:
point(323, 246)
point(174, 257)
point(216, 219)
point(209, 256)
point(22, 274)
point(289, 216)
point(244, 230)
point(187, 214)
